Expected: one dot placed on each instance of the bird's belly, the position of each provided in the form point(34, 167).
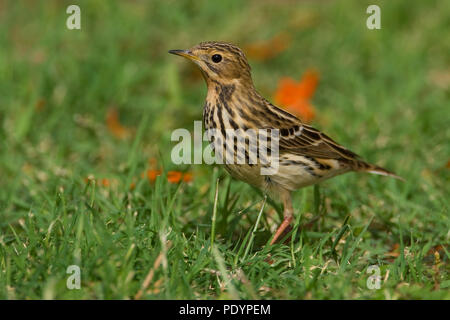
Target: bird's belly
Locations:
point(245, 172)
point(296, 175)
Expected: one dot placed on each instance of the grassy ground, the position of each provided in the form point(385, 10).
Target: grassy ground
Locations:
point(65, 195)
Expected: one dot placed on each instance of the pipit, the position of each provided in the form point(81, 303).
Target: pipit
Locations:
point(305, 155)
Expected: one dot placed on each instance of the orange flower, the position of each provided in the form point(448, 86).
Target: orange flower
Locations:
point(303, 109)
point(295, 96)
point(187, 177)
point(105, 182)
point(264, 50)
point(177, 177)
point(174, 176)
point(114, 126)
point(152, 174)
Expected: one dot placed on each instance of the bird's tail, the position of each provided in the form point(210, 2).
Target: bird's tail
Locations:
point(362, 166)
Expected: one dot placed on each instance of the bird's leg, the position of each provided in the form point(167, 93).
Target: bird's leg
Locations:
point(288, 216)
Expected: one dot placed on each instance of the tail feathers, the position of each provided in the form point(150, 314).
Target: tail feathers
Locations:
point(371, 168)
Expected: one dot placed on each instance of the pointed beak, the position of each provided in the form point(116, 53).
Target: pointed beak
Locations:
point(184, 53)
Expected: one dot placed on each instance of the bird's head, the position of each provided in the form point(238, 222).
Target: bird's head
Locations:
point(219, 62)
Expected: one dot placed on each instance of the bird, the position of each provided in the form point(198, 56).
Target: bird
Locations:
point(305, 156)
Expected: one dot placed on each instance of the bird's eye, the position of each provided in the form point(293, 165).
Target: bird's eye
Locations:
point(216, 58)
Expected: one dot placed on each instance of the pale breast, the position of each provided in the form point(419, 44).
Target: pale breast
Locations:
point(232, 146)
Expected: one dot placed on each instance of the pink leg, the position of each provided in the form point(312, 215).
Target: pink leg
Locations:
point(286, 222)
point(288, 215)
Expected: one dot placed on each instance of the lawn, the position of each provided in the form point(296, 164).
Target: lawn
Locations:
point(86, 176)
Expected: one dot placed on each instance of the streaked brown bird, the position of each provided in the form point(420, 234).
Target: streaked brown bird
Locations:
point(306, 156)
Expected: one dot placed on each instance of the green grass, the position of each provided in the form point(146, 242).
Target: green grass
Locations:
point(383, 93)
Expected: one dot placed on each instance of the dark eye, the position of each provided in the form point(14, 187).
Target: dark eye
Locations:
point(216, 58)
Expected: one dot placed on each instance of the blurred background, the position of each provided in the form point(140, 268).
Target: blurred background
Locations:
point(100, 103)
point(73, 99)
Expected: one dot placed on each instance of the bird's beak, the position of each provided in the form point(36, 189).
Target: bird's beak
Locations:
point(184, 53)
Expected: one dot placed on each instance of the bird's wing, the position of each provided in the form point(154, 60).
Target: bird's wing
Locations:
point(308, 141)
point(299, 138)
